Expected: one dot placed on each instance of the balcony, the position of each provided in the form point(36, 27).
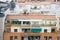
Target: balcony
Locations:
point(35, 25)
point(48, 25)
point(31, 30)
point(29, 25)
point(25, 25)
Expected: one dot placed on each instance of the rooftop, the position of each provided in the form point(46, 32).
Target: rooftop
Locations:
point(31, 16)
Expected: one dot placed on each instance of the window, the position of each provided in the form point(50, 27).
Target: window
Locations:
point(19, 22)
point(45, 37)
point(45, 12)
point(45, 30)
point(30, 38)
point(16, 22)
point(50, 38)
point(26, 22)
point(36, 37)
point(26, 30)
point(53, 22)
point(43, 22)
point(15, 30)
point(35, 7)
point(48, 22)
point(11, 37)
point(52, 30)
point(35, 22)
point(15, 38)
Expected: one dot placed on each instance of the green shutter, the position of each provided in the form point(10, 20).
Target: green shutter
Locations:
point(36, 29)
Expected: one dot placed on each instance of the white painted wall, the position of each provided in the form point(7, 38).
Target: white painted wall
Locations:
point(48, 29)
point(18, 29)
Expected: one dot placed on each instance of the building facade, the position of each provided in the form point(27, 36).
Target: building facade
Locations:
point(32, 20)
point(32, 26)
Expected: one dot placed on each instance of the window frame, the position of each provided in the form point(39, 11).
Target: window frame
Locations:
point(15, 30)
point(45, 30)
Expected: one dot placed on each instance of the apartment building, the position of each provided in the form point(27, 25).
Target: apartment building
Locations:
point(32, 20)
point(32, 26)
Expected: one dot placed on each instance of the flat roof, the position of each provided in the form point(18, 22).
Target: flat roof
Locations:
point(31, 16)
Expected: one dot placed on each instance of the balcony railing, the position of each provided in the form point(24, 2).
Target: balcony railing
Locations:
point(25, 25)
point(29, 25)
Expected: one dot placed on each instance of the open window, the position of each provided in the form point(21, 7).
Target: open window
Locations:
point(50, 38)
point(52, 30)
point(31, 38)
point(16, 22)
point(26, 29)
point(45, 38)
point(26, 22)
point(45, 30)
point(15, 30)
point(11, 37)
point(15, 38)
